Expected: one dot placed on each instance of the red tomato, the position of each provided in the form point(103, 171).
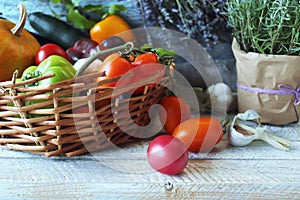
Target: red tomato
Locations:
point(145, 58)
point(199, 134)
point(167, 155)
point(50, 49)
point(176, 111)
point(149, 62)
point(114, 65)
point(144, 73)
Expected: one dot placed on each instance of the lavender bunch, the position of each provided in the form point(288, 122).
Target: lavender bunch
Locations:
point(201, 20)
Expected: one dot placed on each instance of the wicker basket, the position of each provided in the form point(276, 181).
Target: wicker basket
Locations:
point(50, 127)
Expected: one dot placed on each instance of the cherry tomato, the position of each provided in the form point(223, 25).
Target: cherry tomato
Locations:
point(150, 66)
point(153, 73)
point(145, 59)
point(50, 49)
point(199, 134)
point(167, 154)
point(113, 66)
point(175, 111)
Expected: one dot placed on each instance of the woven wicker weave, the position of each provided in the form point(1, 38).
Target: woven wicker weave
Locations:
point(49, 125)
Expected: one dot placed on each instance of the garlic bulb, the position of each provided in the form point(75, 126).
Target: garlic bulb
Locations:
point(221, 96)
point(242, 133)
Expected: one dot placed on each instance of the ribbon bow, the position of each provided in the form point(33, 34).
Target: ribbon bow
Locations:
point(287, 89)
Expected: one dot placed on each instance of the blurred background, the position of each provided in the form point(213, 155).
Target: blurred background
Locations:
point(202, 20)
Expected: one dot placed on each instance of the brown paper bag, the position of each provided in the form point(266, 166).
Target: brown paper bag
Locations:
point(268, 84)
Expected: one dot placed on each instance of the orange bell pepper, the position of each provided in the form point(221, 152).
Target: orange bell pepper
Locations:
point(110, 26)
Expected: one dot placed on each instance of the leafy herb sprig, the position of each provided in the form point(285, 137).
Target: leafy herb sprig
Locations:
point(267, 27)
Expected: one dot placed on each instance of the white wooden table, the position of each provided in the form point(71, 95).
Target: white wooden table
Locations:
point(257, 171)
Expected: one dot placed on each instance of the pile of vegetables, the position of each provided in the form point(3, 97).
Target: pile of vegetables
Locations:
point(72, 53)
point(77, 25)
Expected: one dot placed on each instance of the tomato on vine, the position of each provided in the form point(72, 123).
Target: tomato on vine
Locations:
point(145, 58)
point(150, 66)
point(114, 65)
point(143, 66)
point(199, 134)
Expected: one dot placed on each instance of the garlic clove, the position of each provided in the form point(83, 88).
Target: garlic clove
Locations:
point(238, 139)
point(241, 134)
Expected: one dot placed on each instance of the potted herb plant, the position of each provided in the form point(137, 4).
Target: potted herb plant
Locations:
point(266, 47)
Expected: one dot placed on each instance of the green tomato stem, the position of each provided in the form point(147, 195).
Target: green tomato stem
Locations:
point(128, 46)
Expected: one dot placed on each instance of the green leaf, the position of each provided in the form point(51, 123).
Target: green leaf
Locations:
point(94, 8)
point(69, 6)
point(56, 1)
point(159, 51)
point(78, 20)
point(116, 9)
point(55, 13)
point(163, 52)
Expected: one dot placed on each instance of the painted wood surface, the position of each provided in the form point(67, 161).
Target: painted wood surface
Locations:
point(257, 171)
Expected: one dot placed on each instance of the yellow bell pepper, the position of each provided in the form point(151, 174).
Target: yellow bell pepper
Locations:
point(110, 26)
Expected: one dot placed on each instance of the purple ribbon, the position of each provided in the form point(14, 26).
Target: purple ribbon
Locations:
point(284, 89)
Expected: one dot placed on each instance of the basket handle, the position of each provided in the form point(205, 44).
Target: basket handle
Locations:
point(127, 46)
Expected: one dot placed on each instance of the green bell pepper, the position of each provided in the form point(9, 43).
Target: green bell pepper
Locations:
point(54, 64)
point(29, 73)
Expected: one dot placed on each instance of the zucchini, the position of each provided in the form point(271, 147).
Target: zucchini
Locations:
point(55, 30)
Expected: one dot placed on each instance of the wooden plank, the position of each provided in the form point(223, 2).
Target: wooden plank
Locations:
point(256, 150)
point(151, 191)
point(237, 179)
point(136, 161)
point(291, 131)
point(257, 171)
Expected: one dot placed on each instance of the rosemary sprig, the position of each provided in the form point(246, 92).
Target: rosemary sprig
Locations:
point(263, 26)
